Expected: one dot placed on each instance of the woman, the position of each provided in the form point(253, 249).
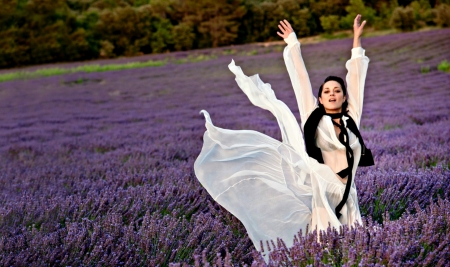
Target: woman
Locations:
point(277, 188)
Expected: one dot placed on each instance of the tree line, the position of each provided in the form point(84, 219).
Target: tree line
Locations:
point(42, 31)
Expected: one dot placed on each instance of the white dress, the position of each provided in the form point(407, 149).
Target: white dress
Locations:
point(274, 188)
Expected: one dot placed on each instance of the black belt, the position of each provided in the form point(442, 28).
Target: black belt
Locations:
point(344, 172)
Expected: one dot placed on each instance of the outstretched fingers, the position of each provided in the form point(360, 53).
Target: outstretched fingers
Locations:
point(282, 30)
point(358, 26)
point(357, 19)
point(288, 24)
point(285, 28)
point(362, 24)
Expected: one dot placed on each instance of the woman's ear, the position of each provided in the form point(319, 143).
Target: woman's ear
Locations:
point(320, 100)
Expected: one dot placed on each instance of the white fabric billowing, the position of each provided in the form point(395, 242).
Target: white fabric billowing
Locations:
point(272, 187)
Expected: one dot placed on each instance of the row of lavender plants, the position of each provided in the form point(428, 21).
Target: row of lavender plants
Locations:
point(100, 172)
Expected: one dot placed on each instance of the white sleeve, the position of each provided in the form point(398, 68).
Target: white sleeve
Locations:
point(356, 77)
point(299, 78)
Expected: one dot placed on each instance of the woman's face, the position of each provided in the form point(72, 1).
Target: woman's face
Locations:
point(332, 97)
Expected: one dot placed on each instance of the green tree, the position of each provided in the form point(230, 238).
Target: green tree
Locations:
point(298, 16)
point(354, 8)
point(271, 17)
point(161, 38)
point(183, 36)
point(329, 23)
point(263, 19)
point(443, 15)
point(382, 21)
point(403, 19)
point(108, 4)
point(218, 21)
point(39, 31)
point(423, 14)
point(252, 23)
point(7, 13)
point(128, 30)
point(213, 23)
point(321, 8)
point(43, 31)
point(328, 7)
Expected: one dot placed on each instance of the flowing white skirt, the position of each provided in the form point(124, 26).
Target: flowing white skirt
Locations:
point(274, 188)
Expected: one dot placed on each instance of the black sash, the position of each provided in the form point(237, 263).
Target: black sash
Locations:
point(315, 152)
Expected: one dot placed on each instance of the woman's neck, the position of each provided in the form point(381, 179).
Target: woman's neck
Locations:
point(333, 111)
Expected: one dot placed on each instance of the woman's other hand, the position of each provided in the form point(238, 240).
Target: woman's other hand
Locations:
point(357, 31)
point(285, 28)
point(358, 26)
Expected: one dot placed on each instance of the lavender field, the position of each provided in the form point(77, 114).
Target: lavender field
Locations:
point(97, 169)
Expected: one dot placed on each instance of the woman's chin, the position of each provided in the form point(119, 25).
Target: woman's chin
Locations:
point(333, 109)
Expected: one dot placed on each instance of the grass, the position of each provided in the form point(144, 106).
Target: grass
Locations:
point(195, 58)
point(425, 69)
point(21, 75)
point(278, 47)
point(444, 66)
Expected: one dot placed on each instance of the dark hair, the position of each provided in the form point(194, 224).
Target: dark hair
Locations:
point(344, 90)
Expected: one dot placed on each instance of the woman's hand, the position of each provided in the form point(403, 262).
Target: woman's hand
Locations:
point(357, 30)
point(358, 26)
point(285, 28)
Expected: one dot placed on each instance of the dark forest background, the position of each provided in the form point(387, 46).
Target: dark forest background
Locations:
point(42, 31)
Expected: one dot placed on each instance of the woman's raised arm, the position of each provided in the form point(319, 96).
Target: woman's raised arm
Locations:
point(297, 72)
point(356, 75)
